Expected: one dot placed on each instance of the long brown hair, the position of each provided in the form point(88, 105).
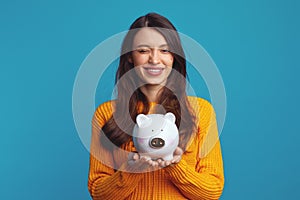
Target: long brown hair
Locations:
point(173, 97)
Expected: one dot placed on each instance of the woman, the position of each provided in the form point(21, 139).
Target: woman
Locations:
point(151, 79)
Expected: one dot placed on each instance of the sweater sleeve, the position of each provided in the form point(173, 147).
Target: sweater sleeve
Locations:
point(205, 180)
point(104, 182)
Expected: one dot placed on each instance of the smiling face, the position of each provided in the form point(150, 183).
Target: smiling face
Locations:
point(151, 57)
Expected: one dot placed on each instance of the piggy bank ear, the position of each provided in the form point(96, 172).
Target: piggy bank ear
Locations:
point(170, 116)
point(143, 121)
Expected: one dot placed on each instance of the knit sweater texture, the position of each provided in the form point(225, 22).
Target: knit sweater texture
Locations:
point(199, 174)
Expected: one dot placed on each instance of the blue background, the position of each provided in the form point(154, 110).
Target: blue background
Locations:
point(254, 43)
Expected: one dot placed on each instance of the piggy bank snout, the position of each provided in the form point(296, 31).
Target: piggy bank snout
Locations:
point(157, 143)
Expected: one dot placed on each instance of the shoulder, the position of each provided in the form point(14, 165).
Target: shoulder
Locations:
point(104, 112)
point(199, 104)
point(105, 107)
point(202, 108)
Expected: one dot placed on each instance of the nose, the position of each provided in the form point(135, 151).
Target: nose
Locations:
point(157, 143)
point(154, 57)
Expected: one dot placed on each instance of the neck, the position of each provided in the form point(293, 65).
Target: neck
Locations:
point(151, 92)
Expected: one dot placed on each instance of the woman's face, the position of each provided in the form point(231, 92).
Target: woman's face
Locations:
point(151, 57)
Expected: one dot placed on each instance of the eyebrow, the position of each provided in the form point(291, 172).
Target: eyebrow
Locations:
point(145, 45)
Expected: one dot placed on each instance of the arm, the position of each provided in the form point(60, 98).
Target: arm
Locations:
point(104, 182)
point(205, 179)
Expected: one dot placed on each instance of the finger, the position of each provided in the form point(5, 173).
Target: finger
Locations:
point(176, 159)
point(135, 156)
point(155, 164)
point(167, 163)
point(149, 162)
point(145, 158)
point(178, 151)
point(131, 162)
point(163, 163)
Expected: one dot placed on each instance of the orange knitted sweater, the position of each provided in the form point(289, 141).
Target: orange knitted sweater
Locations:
point(199, 174)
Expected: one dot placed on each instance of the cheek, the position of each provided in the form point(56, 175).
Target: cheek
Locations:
point(139, 59)
point(169, 61)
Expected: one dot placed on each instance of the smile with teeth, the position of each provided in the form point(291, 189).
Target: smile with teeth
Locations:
point(154, 71)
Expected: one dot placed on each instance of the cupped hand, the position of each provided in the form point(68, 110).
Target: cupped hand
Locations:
point(177, 155)
point(140, 163)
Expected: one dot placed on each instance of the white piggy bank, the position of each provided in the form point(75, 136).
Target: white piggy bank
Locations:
point(156, 136)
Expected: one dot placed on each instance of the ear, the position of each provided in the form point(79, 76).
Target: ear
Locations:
point(170, 116)
point(143, 121)
point(130, 59)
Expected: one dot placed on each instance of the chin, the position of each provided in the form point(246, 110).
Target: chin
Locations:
point(155, 83)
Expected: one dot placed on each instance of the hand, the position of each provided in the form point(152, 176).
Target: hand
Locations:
point(139, 163)
point(177, 155)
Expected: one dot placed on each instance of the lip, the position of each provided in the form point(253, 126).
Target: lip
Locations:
point(154, 71)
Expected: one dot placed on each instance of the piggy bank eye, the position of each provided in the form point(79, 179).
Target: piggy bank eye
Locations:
point(152, 130)
point(161, 130)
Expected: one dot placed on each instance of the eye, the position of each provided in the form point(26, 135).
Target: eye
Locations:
point(152, 130)
point(161, 130)
point(143, 51)
point(165, 50)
